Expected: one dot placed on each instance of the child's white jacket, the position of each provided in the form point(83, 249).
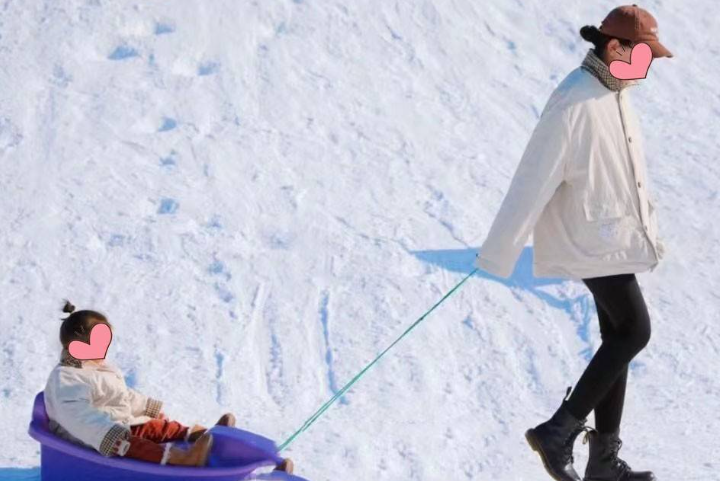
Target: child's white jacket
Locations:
point(90, 403)
point(581, 188)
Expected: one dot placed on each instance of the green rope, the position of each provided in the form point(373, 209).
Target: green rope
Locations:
point(347, 386)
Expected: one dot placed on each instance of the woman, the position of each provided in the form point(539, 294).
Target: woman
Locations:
point(581, 188)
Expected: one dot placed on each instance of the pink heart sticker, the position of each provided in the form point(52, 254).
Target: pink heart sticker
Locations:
point(640, 59)
point(100, 338)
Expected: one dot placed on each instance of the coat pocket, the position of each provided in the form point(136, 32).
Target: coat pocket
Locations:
point(608, 227)
point(596, 211)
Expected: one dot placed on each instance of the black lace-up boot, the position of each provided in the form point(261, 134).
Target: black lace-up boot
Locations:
point(604, 464)
point(553, 440)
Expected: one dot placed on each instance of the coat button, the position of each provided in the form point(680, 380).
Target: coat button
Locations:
point(630, 139)
point(639, 184)
point(646, 228)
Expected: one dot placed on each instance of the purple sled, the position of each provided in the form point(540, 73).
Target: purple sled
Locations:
point(234, 456)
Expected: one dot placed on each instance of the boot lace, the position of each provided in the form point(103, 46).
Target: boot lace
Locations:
point(615, 445)
point(619, 464)
point(570, 440)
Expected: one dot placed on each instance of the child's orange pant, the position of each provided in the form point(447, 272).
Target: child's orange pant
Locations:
point(145, 439)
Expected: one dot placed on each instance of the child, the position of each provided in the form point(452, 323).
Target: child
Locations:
point(89, 403)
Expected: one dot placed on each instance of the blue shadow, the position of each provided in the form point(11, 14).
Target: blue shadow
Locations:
point(19, 474)
point(581, 309)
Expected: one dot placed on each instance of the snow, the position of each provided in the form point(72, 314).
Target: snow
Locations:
point(262, 195)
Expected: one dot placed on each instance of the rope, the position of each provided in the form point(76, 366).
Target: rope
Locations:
point(357, 377)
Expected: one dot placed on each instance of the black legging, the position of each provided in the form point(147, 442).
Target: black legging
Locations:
point(625, 331)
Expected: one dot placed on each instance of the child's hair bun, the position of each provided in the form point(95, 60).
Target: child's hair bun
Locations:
point(69, 308)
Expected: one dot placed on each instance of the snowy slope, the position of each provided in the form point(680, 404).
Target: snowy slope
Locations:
point(262, 195)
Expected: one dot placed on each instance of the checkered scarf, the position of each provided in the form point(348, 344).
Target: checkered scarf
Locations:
point(594, 64)
point(66, 359)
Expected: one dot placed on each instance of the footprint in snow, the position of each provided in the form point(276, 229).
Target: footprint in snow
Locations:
point(168, 206)
point(123, 52)
point(168, 124)
point(163, 28)
point(207, 68)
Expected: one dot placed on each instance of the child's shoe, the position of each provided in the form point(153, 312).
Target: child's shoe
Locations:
point(286, 466)
point(196, 455)
point(227, 419)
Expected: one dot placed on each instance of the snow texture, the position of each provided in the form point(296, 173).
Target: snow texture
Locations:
point(262, 195)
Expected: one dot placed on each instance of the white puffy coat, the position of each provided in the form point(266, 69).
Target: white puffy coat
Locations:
point(93, 405)
point(581, 188)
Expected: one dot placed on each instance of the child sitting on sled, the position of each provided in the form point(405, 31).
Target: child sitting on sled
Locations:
point(89, 403)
